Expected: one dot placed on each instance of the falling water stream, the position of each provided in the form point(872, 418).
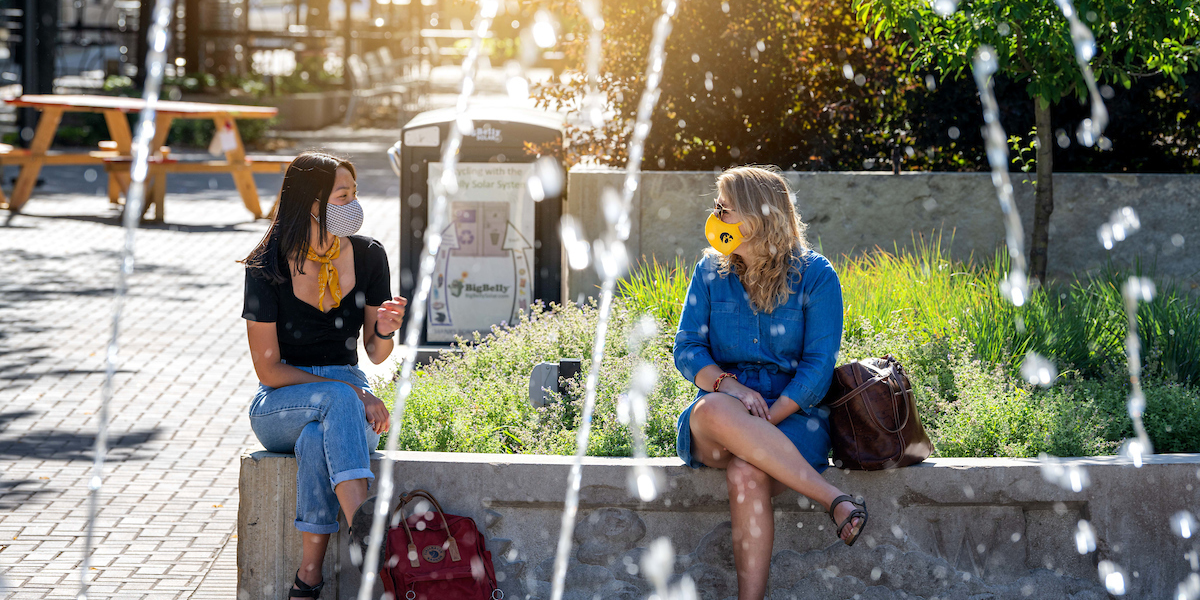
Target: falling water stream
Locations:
point(1016, 286)
point(611, 260)
point(444, 188)
point(156, 58)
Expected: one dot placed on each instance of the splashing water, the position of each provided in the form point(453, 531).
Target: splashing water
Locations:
point(1038, 369)
point(1015, 286)
point(1113, 577)
point(593, 102)
point(546, 181)
point(443, 189)
point(1122, 223)
point(632, 410)
point(1063, 474)
point(1189, 589)
point(578, 249)
point(1183, 524)
point(611, 259)
point(1135, 289)
point(1085, 537)
point(158, 34)
point(1090, 130)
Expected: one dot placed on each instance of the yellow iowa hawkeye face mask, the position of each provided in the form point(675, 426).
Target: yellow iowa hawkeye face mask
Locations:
point(725, 237)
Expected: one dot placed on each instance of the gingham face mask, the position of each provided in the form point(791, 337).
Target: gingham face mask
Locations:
point(343, 220)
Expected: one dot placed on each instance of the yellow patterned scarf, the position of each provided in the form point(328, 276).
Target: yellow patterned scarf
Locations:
point(328, 275)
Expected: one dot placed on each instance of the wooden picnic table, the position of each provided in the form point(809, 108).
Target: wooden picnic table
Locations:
point(114, 109)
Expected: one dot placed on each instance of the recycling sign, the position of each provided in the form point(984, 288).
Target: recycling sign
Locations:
point(483, 272)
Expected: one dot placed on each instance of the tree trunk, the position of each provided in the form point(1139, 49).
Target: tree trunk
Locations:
point(1044, 191)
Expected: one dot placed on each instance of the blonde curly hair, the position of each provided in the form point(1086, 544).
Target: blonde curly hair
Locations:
point(767, 207)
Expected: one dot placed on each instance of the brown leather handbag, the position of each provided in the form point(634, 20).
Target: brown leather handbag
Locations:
point(873, 418)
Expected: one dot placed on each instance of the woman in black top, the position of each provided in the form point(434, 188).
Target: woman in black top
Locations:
point(311, 286)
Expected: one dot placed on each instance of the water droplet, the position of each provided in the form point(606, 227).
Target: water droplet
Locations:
point(848, 71)
point(551, 175)
point(860, 80)
point(1177, 240)
point(642, 483)
point(517, 87)
point(876, 573)
point(1038, 369)
point(930, 83)
point(1085, 537)
point(1139, 288)
point(611, 258)
point(659, 561)
point(1064, 474)
point(543, 30)
point(1135, 450)
point(944, 8)
point(953, 132)
point(1113, 577)
point(1003, 29)
point(1015, 287)
point(578, 249)
point(1183, 524)
point(1189, 589)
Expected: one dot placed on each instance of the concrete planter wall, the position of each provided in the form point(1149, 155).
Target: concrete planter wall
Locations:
point(849, 213)
point(948, 528)
point(312, 110)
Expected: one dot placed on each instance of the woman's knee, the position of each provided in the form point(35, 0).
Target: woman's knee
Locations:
point(741, 473)
point(712, 410)
point(337, 396)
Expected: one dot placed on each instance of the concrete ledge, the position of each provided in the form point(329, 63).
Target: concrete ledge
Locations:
point(947, 528)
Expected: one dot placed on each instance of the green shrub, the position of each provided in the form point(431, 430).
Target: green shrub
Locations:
point(478, 401)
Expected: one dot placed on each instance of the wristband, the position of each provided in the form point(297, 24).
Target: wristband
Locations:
point(717, 385)
point(380, 335)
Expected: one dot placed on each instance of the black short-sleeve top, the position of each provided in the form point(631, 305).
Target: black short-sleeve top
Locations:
point(307, 336)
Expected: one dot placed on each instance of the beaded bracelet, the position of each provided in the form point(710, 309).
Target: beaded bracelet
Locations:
point(717, 385)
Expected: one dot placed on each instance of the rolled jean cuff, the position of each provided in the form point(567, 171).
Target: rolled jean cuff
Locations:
point(352, 474)
point(320, 528)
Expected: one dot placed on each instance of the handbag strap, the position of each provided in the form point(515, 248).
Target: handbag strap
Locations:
point(412, 546)
point(880, 375)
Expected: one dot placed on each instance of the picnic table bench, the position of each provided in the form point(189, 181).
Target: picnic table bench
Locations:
point(116, 155)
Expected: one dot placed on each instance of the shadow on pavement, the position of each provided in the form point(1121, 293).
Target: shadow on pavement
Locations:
point(66, 446)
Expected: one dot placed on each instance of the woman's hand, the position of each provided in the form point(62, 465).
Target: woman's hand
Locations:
point(378, 416)
point(390, 315)
point(752, 400)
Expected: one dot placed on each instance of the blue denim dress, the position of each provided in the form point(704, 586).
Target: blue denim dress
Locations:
point(790, 351)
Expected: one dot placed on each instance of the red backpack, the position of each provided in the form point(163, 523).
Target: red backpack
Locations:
point(437, 557)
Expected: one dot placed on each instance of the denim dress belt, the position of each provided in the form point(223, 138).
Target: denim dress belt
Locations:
point(764, 378)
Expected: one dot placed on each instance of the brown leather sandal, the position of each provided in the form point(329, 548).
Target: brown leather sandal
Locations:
point(860, 511)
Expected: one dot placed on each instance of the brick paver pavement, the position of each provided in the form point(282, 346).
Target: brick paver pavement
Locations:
point(166, 527)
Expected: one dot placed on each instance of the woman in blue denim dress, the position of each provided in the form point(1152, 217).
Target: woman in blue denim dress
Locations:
point(311, 287)
point(759, 336)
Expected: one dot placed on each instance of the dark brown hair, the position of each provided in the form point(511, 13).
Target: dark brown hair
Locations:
point(309, 178)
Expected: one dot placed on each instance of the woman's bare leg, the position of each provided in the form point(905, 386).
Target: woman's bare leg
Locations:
point(722, 429)
point(753, 520)
point(351, 493)
point(314, 556)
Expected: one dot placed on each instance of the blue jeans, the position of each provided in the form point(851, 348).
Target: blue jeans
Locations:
point(325, 424)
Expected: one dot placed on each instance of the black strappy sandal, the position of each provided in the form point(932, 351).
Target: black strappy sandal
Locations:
point(860, 511)
point(303, 590)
